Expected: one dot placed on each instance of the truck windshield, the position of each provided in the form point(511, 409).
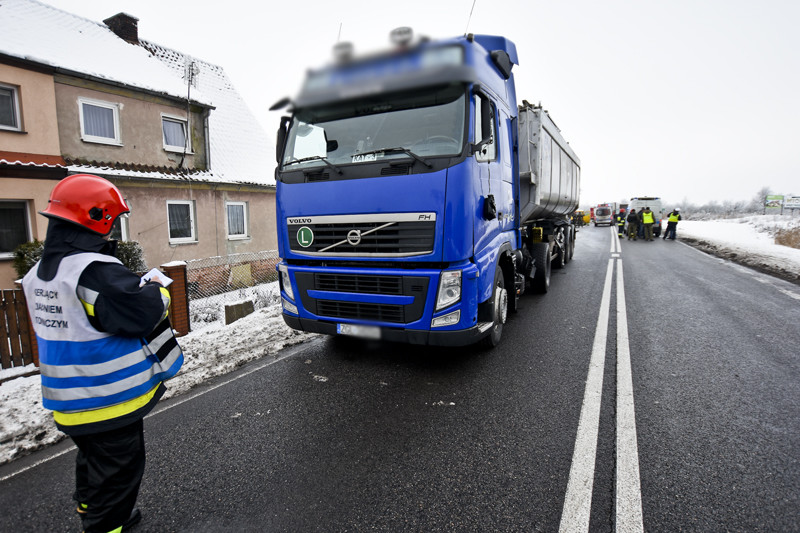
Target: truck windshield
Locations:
point(411, 125)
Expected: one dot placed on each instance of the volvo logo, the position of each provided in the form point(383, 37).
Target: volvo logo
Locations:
point(354, 237)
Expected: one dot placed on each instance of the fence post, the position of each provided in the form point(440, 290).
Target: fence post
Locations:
point(179, 295)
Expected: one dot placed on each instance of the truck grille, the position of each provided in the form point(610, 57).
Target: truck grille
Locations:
point(328, 306)
point(388, 235)
point(365, 284)
point(362, 311)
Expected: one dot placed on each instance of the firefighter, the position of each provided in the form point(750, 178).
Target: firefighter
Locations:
point(105, 347)
point(621, 222)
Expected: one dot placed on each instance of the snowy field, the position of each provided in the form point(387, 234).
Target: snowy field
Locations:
point(749, 241)
point(218, 349)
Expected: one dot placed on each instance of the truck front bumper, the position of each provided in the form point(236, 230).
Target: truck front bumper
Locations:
point(461, 337)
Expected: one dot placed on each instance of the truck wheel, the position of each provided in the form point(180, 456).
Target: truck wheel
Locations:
point(572, 245)
point(561, 249)
point(499, 309)
point(541, 278)
point(569, 237)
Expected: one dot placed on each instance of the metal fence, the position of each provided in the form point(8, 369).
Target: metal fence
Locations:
point(214, 282)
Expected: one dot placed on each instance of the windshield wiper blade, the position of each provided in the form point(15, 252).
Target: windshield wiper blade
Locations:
point(398, 149)
point(315, 158)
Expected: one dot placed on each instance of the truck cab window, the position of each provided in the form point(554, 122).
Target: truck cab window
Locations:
point(484, 129)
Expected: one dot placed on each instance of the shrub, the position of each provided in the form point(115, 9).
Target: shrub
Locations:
point(131, 255)
point(788, 237)
point(26, 255)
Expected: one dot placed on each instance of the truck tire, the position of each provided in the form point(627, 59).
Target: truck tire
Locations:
point(572, 244)
point(561, 249)
point(499, 309)
point(541, 278)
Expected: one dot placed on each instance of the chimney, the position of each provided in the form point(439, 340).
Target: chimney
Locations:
point(125, 26)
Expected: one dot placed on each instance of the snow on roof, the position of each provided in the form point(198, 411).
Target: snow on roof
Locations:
point(19, 163)
point(239, 147)
point(36, 32)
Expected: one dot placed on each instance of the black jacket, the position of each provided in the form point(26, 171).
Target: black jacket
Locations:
point(122, 307)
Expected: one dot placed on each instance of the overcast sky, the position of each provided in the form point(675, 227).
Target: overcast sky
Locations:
point(690, 100)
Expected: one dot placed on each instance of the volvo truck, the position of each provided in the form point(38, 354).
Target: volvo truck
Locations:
point(417, 198)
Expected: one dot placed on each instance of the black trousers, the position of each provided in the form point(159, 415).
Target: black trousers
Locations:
point(108, 472)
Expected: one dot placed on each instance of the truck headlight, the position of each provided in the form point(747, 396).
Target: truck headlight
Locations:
point(449, 289)
point(289, 306)
point(286, 283)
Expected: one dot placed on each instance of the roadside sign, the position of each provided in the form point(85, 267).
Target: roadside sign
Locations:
point(791, 202)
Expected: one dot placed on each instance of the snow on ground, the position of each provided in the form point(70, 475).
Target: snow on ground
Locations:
point(218, 349)
point(749, 241)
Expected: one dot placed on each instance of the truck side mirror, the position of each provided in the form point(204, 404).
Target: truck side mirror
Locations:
point(282, 134)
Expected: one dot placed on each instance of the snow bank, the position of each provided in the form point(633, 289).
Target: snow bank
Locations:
point(749, 241)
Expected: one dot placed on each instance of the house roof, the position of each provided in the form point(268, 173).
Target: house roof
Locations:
point(239, 148)
point(36, 32)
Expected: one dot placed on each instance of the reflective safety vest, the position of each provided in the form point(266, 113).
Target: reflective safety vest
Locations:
point(673, 217)
point(83, 369)
point(647, 218)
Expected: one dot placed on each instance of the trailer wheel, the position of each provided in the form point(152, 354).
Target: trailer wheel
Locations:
point(569, 237)
point(541, 278)
point(561, 250)
point(572, 244)
point(499, 309)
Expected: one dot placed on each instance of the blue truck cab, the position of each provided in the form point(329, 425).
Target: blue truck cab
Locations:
point(398, 196)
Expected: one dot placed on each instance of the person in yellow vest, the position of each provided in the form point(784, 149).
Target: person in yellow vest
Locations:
point(672, 224)
point(105, 348)
point(648, 219)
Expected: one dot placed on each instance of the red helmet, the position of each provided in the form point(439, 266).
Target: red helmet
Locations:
point(89, 201)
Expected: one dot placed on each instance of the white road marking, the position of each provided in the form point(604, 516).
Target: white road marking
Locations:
point(628, 485)
point(578, 501)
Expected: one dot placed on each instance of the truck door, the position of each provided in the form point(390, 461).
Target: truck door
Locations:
point(490, 173)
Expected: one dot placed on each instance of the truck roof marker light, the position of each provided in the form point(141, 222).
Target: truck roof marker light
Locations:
point(343, 51)
point(401, 37)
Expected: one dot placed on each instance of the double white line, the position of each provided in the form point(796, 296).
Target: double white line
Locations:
point(578, 501)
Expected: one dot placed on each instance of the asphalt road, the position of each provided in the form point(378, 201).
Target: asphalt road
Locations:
point(343, 436)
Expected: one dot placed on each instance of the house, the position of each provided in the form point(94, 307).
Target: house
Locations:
point(170, 130)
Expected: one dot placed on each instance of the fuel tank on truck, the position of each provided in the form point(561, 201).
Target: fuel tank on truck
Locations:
point(549, 170)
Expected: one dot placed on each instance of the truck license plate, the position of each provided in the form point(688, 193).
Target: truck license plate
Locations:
point(356, 330)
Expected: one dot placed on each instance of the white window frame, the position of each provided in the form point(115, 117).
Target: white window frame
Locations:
point(185, 123)
point(192, 223)
point(246, 234)
point(117, 140)
point(28, 228)
point(16, 110)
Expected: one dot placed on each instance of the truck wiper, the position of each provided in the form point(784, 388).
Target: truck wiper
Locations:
point(396, 150)
point(314, 158)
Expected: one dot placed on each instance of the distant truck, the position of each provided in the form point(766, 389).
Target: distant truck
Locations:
point(655, 205)
point(416, 199)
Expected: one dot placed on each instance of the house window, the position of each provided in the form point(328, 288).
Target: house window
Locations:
point(175, 138)
point(180, 217)
point(237, 220)
point(9, 108)
point(14, 226)
point(99, 121)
